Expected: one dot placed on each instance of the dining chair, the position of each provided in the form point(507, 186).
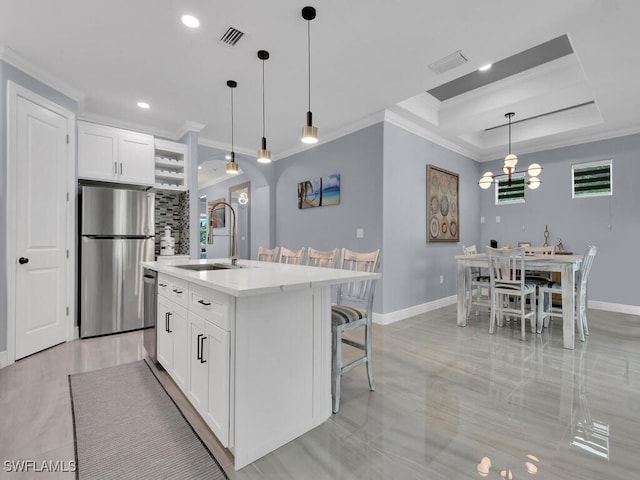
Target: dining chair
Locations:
point(539, 277)
point(320, 258)
point(292, 257)
point(267, 254)
point(546, 309)
point(477, 285)
point(507, 283)
point(352, 310)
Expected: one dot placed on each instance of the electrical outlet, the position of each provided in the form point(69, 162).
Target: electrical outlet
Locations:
point(441, 279)
point(359, 232)
point(497, 218)
point(481, 219)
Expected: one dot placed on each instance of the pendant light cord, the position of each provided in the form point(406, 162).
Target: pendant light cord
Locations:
point(232, 120)
point(509, 134)
point(309, 58)
point(263, 116)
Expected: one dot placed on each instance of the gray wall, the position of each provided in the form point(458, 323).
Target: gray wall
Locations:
point(358, 159)
point(10, 73)
point(412, 266)
point(611, 223)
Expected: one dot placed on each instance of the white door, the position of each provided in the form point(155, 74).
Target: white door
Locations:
point(41, 166)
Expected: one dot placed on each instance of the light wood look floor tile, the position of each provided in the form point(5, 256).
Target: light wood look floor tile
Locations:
point(446, 397)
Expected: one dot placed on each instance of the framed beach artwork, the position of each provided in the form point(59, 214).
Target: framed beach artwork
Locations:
point(443, 219)
point(217, 220)
point(319, 192)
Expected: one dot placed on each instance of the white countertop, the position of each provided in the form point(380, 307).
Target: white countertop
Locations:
point(258, 278)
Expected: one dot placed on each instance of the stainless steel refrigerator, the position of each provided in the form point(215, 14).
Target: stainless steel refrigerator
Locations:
point(116, 234)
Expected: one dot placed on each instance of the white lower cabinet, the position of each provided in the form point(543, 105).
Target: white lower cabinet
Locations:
point(172, 336)
point(217, 353)
point(209, 374)
point(195, 350)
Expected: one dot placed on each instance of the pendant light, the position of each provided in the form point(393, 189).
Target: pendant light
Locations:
point(309, 132)
point(264, 155)
point(509, 168)
point(232, 166)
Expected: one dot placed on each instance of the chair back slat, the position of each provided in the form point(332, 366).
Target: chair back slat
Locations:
point(292, 257)
point(506, 267)
point(358, 291)
point(548, 250)
point(320, 258)
point(585, 267)
point(267, 254)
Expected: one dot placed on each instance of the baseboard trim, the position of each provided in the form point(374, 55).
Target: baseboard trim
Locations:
point(4, 359)
point(615, 307)
point(396, 316)
point(392, 317)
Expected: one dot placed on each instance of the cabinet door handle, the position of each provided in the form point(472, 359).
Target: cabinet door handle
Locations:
point(115, 167)
point(199, 347)
point(166, 321)
point(202, 302)
point(202, 360)
point(175, 290)
point(121, 169)
point(169, 322)
point(162, 285)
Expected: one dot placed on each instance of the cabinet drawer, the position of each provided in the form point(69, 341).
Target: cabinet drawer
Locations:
point(211, 305)
point(174, 289)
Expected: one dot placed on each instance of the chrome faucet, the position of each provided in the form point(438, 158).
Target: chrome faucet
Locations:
point(233, 247)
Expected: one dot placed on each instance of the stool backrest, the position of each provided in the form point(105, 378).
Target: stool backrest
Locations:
point(320, 258)
point(267, 254)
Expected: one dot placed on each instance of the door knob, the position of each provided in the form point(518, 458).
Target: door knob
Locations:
point(23, 260)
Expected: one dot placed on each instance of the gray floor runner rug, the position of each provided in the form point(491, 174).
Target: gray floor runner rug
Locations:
point(127, 427)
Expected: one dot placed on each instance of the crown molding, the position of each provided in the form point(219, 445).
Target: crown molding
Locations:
point(126, 125)
point(410, 126)
point(189, 126)
point(335, 134)
point(18, 61)
point(205, 142)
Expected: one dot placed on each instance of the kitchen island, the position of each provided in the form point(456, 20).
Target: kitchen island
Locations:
point(249, 346)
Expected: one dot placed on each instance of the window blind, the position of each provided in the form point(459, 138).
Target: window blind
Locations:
point(513, 193)
point(592, 179)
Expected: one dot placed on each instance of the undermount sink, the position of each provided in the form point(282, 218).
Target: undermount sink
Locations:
point(208, 266)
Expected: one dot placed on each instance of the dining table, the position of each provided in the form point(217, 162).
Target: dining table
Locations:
point(566, 265)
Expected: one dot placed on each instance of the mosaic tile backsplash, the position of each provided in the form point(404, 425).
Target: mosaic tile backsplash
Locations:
point(172, 209)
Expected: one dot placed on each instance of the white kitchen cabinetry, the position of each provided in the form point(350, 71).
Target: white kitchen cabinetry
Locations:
point(172, 328)
point(209, 374)
point(114, 155)
point(171, 160)
point(206, 346)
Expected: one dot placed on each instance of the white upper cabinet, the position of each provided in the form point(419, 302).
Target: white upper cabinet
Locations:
point(115, 155)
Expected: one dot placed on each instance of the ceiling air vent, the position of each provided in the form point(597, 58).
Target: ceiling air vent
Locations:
point(449, 62)
point(231, 36)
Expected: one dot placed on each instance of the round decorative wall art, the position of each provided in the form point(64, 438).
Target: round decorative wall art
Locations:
point(443, 222)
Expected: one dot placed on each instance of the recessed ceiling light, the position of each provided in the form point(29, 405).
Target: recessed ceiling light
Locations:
point(199, 167)
point(144, 105)
point(190, 21)
point(484, 68)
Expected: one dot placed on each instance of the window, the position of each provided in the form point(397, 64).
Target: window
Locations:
point(591, 179)
point(510, 192)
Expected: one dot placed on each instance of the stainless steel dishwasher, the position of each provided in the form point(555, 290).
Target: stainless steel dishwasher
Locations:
point(150, 279)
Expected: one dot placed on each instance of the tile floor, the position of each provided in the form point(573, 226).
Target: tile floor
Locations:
point(446, 398)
